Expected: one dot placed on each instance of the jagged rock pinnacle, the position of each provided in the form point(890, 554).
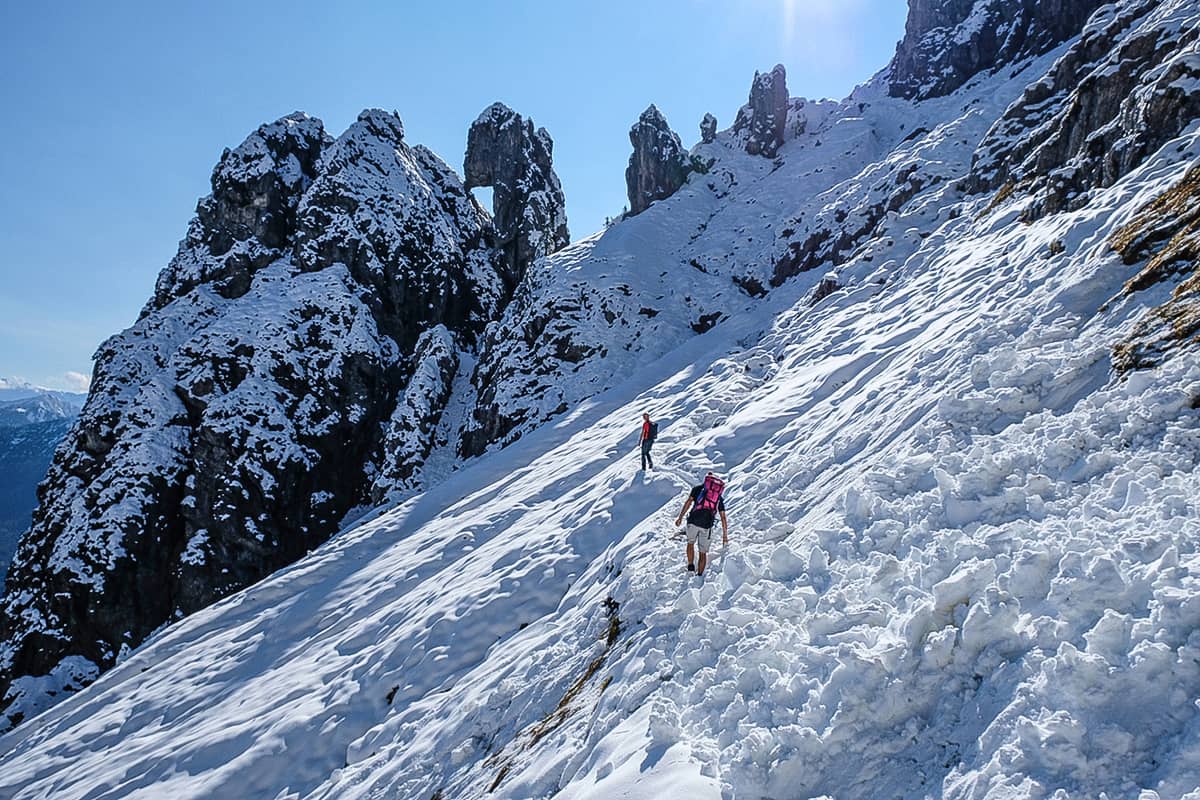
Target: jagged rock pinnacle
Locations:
point(505, 152)
point(658, 164)
point(765, 115)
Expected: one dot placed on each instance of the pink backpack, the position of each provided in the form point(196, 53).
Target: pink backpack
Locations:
point(710, 496)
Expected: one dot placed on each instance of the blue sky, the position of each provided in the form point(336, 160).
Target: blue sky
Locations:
point(116, 112)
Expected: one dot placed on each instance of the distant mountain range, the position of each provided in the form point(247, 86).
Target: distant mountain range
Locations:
point(33, 421)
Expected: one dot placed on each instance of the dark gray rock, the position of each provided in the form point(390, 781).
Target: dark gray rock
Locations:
point(828, 285)
point(505, 152)
point(1125, 88)
point(947, 42)
point(764, 118)
point(228, 433)
point(708, 129)
point(658, 165)
point(247, 221)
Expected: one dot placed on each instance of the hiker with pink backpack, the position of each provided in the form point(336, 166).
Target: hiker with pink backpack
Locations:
point(708, 505)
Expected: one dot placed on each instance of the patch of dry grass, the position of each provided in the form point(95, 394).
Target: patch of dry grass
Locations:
point(566, 706)
point(1165, 233)
point(1166, 230)
point(1003, 194)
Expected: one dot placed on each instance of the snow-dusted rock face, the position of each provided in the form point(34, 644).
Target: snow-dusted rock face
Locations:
point(409, 435)
point(1121, 89)
point(708, 129)
point(658, 165)
point(505, 152)
point(233, 426)
point(763, 119)
point(404, 225)
point(249, 219)
point(1129, 84)
point(947, 42)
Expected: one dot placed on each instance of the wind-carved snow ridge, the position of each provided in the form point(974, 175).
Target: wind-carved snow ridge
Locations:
point(964, 549)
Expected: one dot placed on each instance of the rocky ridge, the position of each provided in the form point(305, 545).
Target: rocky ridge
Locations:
point(322, 291)
point(1129, 84)
point(32, 424)
point(948, 42)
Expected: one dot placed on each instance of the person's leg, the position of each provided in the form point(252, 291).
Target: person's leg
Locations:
point(648, 458)
point(693, 532)
point(702, 540)
point(644, 454)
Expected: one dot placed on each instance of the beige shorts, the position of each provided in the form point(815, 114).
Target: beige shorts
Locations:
point(699, 536)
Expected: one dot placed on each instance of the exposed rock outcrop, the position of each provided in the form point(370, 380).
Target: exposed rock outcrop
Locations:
point(229, 431)
point(410, 434)
point(370, 210)
point(248, 220)
point(1126, 87)
point(708, 129)
point(538, 333)
point(658, 165)
point(764, 118)
point(1166, 235)
point(505, 152)
point(947, 42)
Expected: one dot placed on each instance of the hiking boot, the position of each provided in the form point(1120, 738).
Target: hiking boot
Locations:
point(691, 567)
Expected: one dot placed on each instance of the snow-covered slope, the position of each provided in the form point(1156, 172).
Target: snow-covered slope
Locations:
point(963, 560)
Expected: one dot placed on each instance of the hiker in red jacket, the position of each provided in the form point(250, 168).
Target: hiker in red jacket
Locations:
point(709, 503)
point(649, 434)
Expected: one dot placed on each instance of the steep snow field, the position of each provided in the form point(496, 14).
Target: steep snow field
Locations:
point(963, 557)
